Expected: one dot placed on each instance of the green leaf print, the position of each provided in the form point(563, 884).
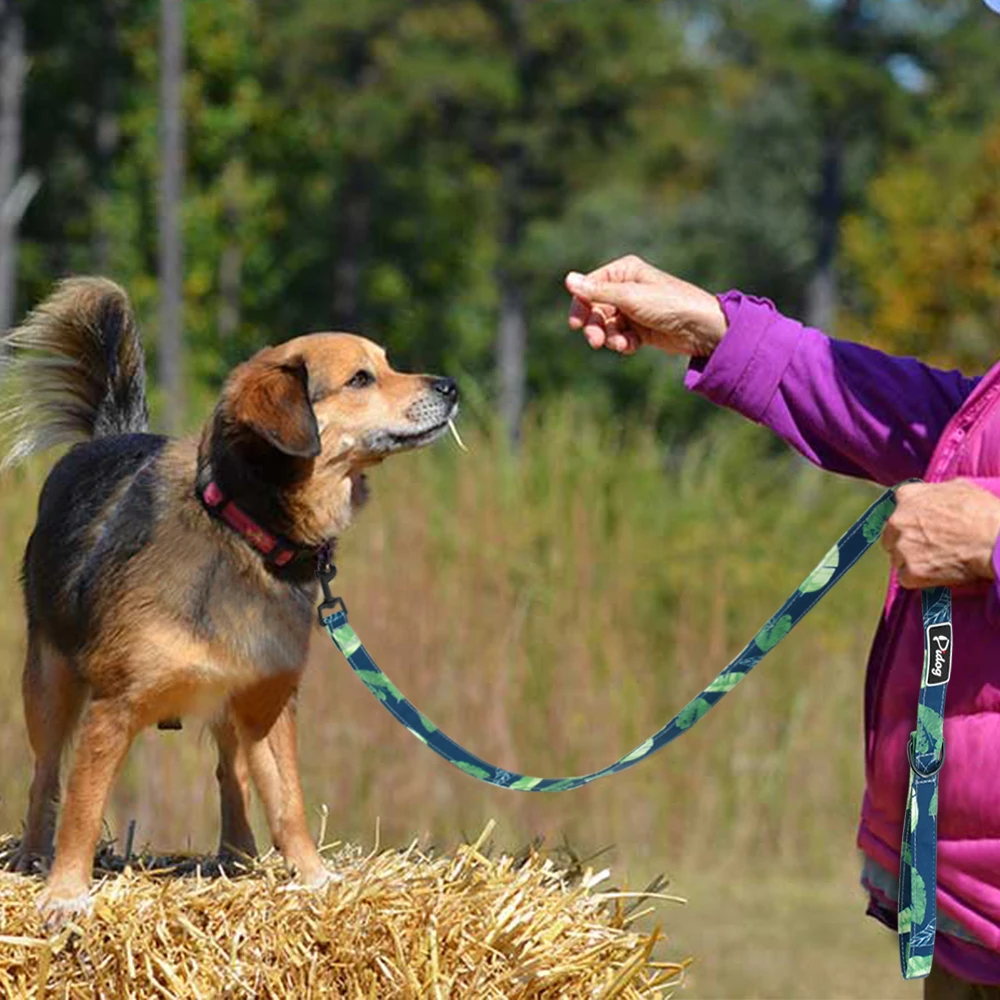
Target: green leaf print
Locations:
point(379, 685)
point(639, 751)
point(429, 726)
point(905, 921)
point(930, 727)
point(823, 573)
point(726, 682)
point(692, 712)
point(875, 522)
point(346, 640)
point(562, 785)
point(932, 808)
point(918, 966)
point(476, 772)
point(770, 635)
point(919, 894)
point(525, 784)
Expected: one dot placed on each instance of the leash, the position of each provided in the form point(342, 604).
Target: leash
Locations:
point(918, 861)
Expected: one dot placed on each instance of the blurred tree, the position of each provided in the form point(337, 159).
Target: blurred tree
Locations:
point(499, 108)
point(810, 102)
point(16, 188)
point(171, 175)
point(426, 173)
point(925, 246)
point(927, 253)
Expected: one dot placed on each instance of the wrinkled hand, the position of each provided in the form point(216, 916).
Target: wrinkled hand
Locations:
point(628, 303)
point(942, 534)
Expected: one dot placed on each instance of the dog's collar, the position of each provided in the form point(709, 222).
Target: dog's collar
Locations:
point(276, 549)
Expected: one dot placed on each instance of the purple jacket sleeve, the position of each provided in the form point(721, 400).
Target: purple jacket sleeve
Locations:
point(846, 407)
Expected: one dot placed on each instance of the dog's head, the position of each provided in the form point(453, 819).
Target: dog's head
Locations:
point(307, 417)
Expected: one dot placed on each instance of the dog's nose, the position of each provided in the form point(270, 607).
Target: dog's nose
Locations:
point(446, 387)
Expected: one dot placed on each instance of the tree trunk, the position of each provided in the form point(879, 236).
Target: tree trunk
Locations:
point(352, 237)
point(822, 291)
point(512, 333)
point(231, 260)
point(16, 191)
point(171, 259)
point(106, 132)
point(512, 339)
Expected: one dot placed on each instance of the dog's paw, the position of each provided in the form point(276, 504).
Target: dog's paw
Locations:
point(318, 878)
point(58, 909)
point(321, 879)
point(21, 863)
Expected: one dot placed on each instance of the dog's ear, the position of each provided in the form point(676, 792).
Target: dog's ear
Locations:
point(274, 403)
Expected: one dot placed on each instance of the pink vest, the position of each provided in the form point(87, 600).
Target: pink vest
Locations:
point(969, 809)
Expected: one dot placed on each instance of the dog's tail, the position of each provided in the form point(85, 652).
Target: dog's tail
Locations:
point(74, 370)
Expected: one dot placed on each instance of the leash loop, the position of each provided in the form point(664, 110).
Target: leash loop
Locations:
point(916, 768)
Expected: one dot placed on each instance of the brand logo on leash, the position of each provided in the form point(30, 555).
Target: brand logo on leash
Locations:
point(939, 654)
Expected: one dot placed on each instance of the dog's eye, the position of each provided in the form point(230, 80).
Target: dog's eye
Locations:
point(361, 379)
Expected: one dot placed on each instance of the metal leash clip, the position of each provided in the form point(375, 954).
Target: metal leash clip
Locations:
point(326, 571)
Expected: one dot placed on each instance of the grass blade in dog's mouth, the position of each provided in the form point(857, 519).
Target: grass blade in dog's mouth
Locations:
point(456, 435)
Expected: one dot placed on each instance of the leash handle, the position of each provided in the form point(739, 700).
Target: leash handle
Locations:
point(917, 909)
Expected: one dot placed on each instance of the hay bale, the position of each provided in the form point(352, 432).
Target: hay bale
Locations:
point(390, 924)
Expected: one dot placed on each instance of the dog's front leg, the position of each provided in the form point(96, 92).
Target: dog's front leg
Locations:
point(236, 835)
point(265, 720)
point(106, 732)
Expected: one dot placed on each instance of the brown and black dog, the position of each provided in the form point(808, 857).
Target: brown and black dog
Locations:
point(142, 603)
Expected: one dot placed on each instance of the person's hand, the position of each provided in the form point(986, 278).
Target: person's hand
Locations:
point(942, 534)
point(628, 303)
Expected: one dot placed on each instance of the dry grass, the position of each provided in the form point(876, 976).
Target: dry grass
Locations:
point(401, 924)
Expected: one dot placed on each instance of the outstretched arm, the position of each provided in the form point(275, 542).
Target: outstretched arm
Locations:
point(846, 407)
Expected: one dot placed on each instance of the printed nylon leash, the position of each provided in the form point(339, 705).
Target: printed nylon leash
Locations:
point(918, 866)
point(925, 750)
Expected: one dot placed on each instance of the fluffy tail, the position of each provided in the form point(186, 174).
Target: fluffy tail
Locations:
point(73, 371)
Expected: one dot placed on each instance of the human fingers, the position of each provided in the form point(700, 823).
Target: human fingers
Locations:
point(610, 292)
point(595, 326)
point(620, 337)
point(579, 310)
point(630, 268)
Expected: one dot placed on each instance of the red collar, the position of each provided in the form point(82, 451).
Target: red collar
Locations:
point(277, 550)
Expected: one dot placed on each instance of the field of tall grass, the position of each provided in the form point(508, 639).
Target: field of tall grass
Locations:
point(550, 610)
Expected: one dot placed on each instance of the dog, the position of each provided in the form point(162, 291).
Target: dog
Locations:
point(173, 577)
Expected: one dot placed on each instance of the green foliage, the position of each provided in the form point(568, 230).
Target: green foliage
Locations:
point(934, 215)
point(385, 166)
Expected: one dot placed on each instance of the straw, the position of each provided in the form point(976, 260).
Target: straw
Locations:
point(389, 924)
